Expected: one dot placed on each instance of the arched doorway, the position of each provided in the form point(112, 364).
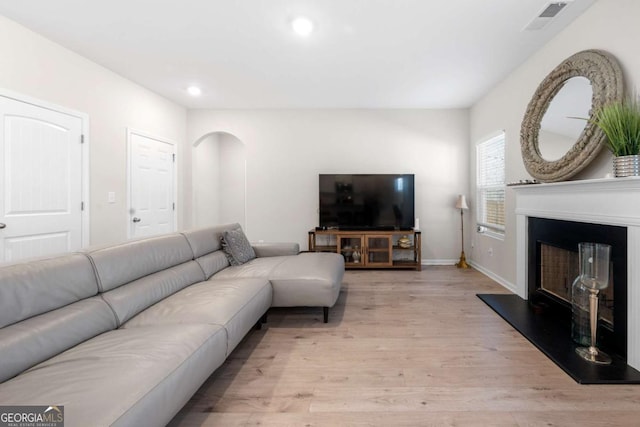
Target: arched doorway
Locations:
point(219, 180)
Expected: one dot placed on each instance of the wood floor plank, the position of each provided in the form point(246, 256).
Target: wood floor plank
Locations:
point(402, 348)
point(390, 399)
point(356, 419)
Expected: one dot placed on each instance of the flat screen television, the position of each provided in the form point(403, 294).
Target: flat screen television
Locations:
point(367, 202)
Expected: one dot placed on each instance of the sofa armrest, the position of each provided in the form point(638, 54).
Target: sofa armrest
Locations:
point(275, 249)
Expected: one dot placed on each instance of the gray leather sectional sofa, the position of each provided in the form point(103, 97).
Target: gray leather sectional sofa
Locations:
point(124, 335)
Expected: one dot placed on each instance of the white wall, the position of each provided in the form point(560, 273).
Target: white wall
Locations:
point(206, 175)
point(219, 176)
point(610, 25)
point(232, 180)
point(34, 66)
point(287, 149)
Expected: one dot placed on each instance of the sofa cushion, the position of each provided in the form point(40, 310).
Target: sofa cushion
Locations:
point(237, 247)
point(275, 249)
point(126, 377)
point(206, 244)
point(256, 268)
point(47, 306)
point(235, 304)
point(124, 263)
point(37, 286)
point(309, 279)
point(212, 263)
point(129, 300)
point(25, 344)
point(206, 240)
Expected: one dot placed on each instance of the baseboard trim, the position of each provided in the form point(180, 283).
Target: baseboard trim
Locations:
point(505, 283)
point(439, 261)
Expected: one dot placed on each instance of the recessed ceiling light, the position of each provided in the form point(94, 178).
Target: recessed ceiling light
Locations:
point(194, 91)
point(302, 26)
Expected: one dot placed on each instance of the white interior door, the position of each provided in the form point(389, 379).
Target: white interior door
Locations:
point(41, 181)
point(151, 181)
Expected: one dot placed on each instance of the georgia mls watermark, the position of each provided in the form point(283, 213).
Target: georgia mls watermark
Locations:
point(32, 416)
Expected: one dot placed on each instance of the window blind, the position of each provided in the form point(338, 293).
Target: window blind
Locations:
point(490, 183)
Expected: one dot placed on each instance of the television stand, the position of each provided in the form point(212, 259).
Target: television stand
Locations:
point(371, 249)
point(365, 228)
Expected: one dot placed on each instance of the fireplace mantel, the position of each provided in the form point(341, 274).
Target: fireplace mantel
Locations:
point(614, 201)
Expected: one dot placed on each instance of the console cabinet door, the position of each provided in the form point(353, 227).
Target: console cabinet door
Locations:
point(379, 250)
point(351, 247)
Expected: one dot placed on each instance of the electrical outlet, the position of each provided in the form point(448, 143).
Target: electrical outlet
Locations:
point(490, 250)
point(111, 197)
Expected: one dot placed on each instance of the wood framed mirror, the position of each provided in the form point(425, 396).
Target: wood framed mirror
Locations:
point(557, 137)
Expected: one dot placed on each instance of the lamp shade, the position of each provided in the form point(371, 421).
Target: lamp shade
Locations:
point(461, 203)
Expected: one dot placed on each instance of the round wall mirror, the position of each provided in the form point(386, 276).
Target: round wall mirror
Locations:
point(565, 118)
point(558, 138)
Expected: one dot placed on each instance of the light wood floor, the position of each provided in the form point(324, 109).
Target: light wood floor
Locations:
point(401, 348)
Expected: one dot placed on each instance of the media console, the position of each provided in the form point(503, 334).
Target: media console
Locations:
point(371, 249)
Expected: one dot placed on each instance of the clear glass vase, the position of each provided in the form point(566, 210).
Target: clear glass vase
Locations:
point(594, 259)
point(580, 327)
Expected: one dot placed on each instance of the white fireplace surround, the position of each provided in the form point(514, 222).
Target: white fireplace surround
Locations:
point(614, 201)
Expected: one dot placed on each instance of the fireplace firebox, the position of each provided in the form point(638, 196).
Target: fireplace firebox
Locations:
point(553, 265)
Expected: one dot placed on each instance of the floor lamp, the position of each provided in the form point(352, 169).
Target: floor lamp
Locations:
point(461, 204)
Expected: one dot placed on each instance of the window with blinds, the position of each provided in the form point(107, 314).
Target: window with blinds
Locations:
point(490, 184)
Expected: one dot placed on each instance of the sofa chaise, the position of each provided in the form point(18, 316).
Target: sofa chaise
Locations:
point(125, 335)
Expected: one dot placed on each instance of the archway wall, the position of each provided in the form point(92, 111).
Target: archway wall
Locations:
point(232, 180)
point(219, 180)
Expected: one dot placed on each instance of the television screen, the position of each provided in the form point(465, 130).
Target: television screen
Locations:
point(362, 202)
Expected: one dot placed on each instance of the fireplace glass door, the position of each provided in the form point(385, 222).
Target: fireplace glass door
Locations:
point(558, 270)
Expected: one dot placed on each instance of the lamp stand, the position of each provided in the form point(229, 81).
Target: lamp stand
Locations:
point(463, 261)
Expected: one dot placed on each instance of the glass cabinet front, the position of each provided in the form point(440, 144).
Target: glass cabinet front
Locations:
point(351, 248)
point(379, 250)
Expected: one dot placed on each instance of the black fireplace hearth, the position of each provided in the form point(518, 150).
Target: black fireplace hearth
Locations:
point(545, 318)
point(552, 335)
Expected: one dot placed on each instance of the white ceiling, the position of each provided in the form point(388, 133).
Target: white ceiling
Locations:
point(243, 54)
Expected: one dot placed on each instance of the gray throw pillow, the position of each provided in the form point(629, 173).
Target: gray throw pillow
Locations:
point(236, 247)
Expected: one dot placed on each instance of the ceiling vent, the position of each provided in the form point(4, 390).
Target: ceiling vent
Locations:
point(550, 11)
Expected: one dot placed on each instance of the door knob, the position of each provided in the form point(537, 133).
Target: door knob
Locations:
point(2, 225)
point(136, 219)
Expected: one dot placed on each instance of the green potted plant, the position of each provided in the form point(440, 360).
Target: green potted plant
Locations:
point(620, 122)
